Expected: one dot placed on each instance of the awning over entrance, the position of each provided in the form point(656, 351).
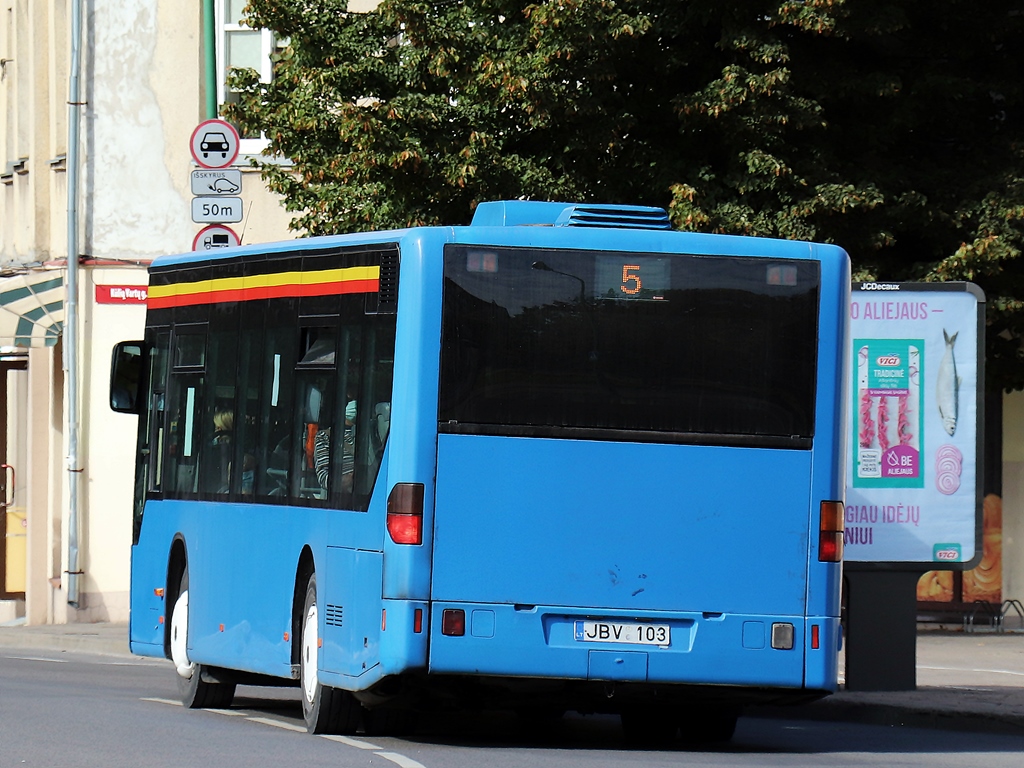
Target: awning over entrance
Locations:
point(32, 308)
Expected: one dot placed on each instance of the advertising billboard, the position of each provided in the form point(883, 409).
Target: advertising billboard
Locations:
point(913, 473)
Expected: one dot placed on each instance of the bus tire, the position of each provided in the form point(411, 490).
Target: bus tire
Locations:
point(195, 692)
point(325, 709)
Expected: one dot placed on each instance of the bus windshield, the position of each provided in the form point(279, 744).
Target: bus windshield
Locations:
point(664, 348)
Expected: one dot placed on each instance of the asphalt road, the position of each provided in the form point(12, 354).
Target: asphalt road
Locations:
point(71, 709)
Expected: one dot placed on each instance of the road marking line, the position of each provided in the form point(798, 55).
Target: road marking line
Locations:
point(969, 669)
point(278, 724)
point(37, 658)
point(350, 742)
point(400, 760)
point(163, 701)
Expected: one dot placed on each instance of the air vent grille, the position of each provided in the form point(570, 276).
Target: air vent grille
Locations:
point(387, 297)
point(334, 616)
point(614, 216)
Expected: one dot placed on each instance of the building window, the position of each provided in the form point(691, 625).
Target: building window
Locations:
point(240, 47)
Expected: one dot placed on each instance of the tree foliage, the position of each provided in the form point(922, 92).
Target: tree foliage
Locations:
point(891, 127)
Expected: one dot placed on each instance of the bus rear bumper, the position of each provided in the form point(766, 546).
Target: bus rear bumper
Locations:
point(703, 649)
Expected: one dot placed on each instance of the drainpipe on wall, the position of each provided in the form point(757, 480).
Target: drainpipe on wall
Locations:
point(210, 57)
point(71, 306)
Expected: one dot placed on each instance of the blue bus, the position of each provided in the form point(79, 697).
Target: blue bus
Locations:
point(564, 458)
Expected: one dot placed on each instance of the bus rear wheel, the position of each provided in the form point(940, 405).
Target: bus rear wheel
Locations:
point(196, 693)
point(325, 709)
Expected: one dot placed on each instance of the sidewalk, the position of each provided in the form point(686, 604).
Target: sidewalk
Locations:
point(969, 682)
point(105, 639)
point(972, 682)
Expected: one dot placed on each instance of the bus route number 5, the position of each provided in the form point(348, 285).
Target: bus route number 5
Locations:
point(630, 279)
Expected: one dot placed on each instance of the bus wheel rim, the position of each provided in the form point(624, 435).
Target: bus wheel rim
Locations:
point(309, 654)
point(179, 637)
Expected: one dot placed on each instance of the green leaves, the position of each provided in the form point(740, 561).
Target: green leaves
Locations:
point(890, 127)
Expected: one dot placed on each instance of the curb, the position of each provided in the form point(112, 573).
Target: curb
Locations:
point(107, 640)
point(895, 715)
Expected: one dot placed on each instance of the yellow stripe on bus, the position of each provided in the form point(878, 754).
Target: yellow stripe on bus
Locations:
point(275, 280)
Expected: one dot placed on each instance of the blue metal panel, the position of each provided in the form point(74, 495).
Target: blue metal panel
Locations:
point(242, 561)
point(823, 662)
point(242, 564)
point(621, 525)
point(538, 641)
point(825, 579)
point(402, 648)
point(414, 408)
point(617, 665)
point(350, 611)
point(149, 574)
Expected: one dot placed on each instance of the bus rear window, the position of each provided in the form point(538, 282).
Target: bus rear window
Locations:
point(628, 346)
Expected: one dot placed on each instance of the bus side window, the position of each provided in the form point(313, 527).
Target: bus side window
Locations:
point(315, 377)
point(184, 411)
point(275, 424)
point(346, 388)
point(314, 415)
point(249, 452)
point(373, 425)
point(220, 472)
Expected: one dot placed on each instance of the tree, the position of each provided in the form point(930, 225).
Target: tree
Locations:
point(891, 127)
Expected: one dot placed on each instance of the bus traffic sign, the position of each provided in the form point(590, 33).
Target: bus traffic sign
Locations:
point(216, 210)
point(214, 144)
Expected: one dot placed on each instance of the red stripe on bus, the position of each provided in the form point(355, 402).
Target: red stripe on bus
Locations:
point(266, 292)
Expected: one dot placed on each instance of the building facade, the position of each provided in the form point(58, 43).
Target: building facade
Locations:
point(146, 81)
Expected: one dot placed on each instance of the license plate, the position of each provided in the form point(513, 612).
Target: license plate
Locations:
point(634, 633)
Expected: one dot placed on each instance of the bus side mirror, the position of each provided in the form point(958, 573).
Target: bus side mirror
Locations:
point(126, 376)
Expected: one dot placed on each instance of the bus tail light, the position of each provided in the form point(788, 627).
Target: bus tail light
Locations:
point(830, 539)
point(405, 513)
point(453, 622)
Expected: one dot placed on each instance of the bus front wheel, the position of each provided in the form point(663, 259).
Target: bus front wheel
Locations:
point(196, 693)
point(325, 709)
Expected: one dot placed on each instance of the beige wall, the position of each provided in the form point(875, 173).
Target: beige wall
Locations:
point(43, 490)
point(28, 32)
point(145, 101)
point(142, 84)
point(106, 451)
point(1013, 496)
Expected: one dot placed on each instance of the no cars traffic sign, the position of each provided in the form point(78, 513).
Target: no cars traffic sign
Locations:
point(214, 144)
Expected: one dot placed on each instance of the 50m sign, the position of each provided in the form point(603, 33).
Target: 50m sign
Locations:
point(216, 210)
